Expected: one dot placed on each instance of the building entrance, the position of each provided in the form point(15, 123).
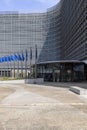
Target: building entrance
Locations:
point(62, 72)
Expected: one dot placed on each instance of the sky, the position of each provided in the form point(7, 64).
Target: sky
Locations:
point(26, 5)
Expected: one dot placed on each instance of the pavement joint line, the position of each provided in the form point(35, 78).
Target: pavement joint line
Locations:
point(41, 104)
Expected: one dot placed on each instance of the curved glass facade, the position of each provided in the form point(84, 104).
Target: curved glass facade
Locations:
point(19, 32)
point(60, 34)
point(73, 29)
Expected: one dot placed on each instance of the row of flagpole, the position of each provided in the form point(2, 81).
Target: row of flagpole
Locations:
point(20, 57)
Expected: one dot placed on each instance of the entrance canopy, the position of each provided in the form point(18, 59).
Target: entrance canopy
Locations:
point(85, 61)
point(61, 61)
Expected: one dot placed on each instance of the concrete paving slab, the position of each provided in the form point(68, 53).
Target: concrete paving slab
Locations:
point(47, 109)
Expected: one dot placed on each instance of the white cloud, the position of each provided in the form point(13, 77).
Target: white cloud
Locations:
point(44, 4)
point(48, 1)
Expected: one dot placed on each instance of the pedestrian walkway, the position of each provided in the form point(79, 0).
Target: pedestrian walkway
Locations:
point(41, 107)
point(67, 84)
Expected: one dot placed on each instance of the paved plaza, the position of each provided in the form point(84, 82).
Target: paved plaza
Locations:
point(41, 107)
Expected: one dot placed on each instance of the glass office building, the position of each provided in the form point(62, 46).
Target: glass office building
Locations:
point(60, 36)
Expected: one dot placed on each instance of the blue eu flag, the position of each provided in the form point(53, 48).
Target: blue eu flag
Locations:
point(23, 57)
point(30, 53)
point(19, 57)
point(9, 59)
point(36, 51)
point(3, 59)
point(26, 55)
point(12, 58)
point(6, 58)
point(15, 57)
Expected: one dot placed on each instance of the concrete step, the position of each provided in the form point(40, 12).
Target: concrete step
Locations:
point(78, 90)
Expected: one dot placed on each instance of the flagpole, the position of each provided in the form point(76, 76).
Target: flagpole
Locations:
point(22, 66)
point(14, 69)
point(8, 69)
point(18, 70)
point(26, 65)
point(30, 60)
point(30, 68)
point(1, 70)
point(21, 69)
point(35, 61)
point(4, 67)
point(8, 66)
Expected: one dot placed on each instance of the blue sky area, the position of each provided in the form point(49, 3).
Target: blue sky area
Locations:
point(26, 5)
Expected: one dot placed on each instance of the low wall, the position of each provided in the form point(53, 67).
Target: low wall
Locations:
point(34, 81)
point(13, 82)
point(78, 90)
point(24, 81)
